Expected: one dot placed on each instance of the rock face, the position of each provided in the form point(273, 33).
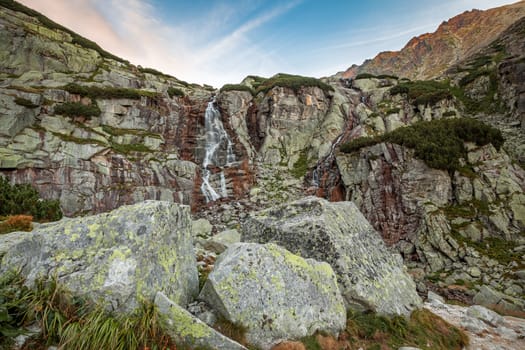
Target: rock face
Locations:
point(146, 143)
point(117, 258)
point(429, 55)
point(189, 330)
point(369, 276)
point(274, 294)
point(416, 208)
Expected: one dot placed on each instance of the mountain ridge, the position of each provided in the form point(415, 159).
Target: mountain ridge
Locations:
point(428, 55)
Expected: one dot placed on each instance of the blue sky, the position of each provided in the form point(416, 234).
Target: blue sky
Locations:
point(218, 42)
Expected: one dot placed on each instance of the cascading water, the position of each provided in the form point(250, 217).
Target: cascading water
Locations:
point(324, 163)
point(219, 153)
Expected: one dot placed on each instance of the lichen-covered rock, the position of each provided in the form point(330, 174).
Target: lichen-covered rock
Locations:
point(369, 276)
point(116, 258)
point(187, 329)
point(274, 294)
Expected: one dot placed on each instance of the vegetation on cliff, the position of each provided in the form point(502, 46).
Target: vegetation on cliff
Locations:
point(107, 92)
point(76, 109)
point(24, 199)
point(76, 39)
point(294, 82)
point(439, 143)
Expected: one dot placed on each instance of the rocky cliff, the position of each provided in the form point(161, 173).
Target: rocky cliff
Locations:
point(95, 131)
point(429, 55)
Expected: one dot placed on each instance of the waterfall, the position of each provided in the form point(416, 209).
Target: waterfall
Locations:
point(219, 153)
point(326, 161)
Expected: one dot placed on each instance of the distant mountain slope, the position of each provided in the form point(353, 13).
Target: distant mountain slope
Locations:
point(429, 55)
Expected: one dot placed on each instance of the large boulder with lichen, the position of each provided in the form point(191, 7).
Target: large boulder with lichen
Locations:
point(370, 277)
point(274, 294)
point(116, 258)
point(187, 329)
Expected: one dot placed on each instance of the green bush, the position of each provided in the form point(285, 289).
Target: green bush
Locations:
point(24, 199)
point(423, 92)
point(76, 39)
point(95, 92)
point(256, 80)
point(173, 91)
point(25, 102)
point(439, 143)
point(294, 82)
point(76, 109)
point(364, 76)
point(237, 87)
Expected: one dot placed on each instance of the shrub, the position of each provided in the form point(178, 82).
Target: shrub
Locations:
point(76, 39)
point(107, 92)
point(423, 92)
point(364, 76)
point(439, 143)
point(25, 102)
point(16, 223)
point(237, 87)
point(24, 199)
point(294, 82)
point(76, 109)
point(173, 91)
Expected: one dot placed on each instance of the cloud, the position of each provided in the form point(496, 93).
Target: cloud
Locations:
point(132, 29)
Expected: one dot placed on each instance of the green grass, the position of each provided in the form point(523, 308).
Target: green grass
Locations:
point(495, 248)
point(71, 322)
point(423, 92)
point(76, 39)
point(364, 76)
point(439, 143)
point(173, 91)
point(300, 167)
point(130, 148)
point(95, 92)
point(25, 102)
point(124, 131)
point(76, 109)
point(423, 330)
point(155, 72)
point(237, 87)
point(294, 82)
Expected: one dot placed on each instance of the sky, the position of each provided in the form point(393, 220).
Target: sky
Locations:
point(222, 41)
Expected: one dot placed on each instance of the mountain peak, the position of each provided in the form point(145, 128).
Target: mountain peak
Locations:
point(429, 55)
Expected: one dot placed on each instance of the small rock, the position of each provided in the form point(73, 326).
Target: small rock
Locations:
point(514, 290)
point(474, 271)
point(520, 274)
point(408, 348)
point(221, 241)
point(201, 228)
point(507, 333)
point(484, 314)
point(435, 297)
point(473, 325)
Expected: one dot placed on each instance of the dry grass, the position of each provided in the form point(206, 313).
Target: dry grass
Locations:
point(17, 223)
